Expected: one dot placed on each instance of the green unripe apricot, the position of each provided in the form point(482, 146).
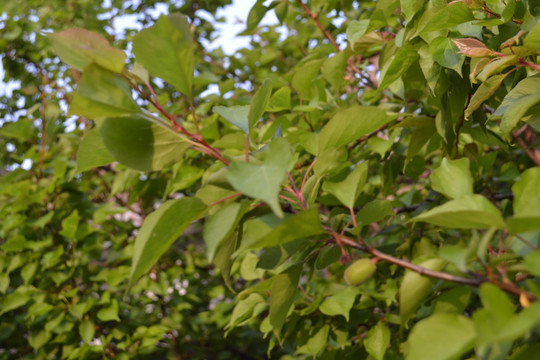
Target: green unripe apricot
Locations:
point(359, 272)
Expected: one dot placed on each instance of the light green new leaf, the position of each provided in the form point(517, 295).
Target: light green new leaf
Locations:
point(441, 337)
point(69, 225)
point(263, 181)
point(160, 230)
point(347, 191)
point(444, 17)
point(467, 212)
point(87, 330)
point(351, 124)
point(80, 47)
point(340, 303)
point(453, 178)
point(280, 100)
point(517, 102)
point(260, 101)
point(141, 144)
point(446, 54)
point(244, 309)
point(316, 343)
point(377, 340)
point(532, 40)
point(236, 115)
point(92, 152)
point(166, 50)
point(283, 291)
point(110, 312)
point(415, 288)
point(299, 226)
point(333, 69)
point(397, 65)
point(355, 30)
point(411, 7)
point(22, 129)
point(303, 75)
point(14, 300)
point(496, 66)
point(102, 93)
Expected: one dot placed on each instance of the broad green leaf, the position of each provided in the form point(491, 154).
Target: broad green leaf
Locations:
point(79, 48)
point(377, 340)
point(444, 17)
point(496, 66)
point(456, 255)
point(87, 330)
point(351, 124)
point(415, 288)
point(244, 309)
point(374, 211)
point(446, 54)
point(255, 15)
point(14, 300)
point(38, 339)
point(453, 178)
point(347, 191)
point(280, 100)
point(521, 324)
point(167, 51)
point(109, 312)
point(411, 8)
point(236, 115)
point(21, 129)
point(223, 258)
point(441, 337)
point(141, 144)
point(340, 303)
point(92, 152)
point(526, 202)
point(355, 30)
point(333, 69)
point(220, 225)
point(316, 343)
point(304, 74)
point(484, 92)
point(532, 40)
point(517, 102)
point(102, 93)
point(467, 212)
point(282, 296)
point(160, 230)
point(453, 301)
point(303, 225)
point(259, 103)
point(422, 133)
point(69, 225)
point(263, 181)
point(398, 65)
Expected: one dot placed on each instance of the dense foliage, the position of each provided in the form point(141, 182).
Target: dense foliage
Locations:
point(364, 178)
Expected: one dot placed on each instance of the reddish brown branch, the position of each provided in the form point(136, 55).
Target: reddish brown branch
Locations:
point(315, 18)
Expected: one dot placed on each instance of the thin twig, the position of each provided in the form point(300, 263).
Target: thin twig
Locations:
point(315, 18)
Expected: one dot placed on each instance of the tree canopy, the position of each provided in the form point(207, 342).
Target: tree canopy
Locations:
point(361, 181)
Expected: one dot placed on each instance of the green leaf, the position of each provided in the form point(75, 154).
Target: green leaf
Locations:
point(282, 298)
point(532, 40)
point(496, 66)
point(453, 178)
point(446, 54)
point(21, 129)
point(110, 312)
point(79, 48)
point(92, 152)
point(167, 51)
point(377, 340)
point(340, 303)
point(255, 15)
point(160, 230)
point(467, 212)
point(415, 288)
point(526, 202)
point(444, 17)
point(374, 211)
point(87, 330)
point(532, 262)
point(69, 226)
point(397, 65)
point(259, 103)
point(244, 309)
point(14, 300)
point(316, 343)
point(236, 115)
point(333, 69)
point(220, 225)
point(484, 92)
point(411, 8)
point(456, 255)
point(303, 75)
point(517, 102)
point(521, 324)
point(303, 225)
point(347, 191)
point(263, 181)
point(453, 301)
point(280, 100)
point(441, 337)
point(351, 124)
point(355, 30)
point(141, 144)
point(102, 93)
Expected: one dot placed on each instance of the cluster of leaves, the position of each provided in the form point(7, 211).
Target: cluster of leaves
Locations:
point(413, 144)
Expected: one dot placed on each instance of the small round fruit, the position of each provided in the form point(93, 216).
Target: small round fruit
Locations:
point(359, 272)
